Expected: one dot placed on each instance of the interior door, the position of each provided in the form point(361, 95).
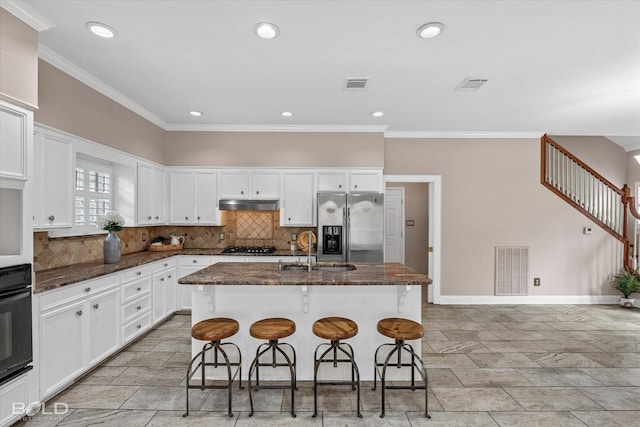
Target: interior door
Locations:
point(394, 225)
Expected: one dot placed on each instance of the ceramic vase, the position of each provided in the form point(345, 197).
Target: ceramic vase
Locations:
point(111, 248)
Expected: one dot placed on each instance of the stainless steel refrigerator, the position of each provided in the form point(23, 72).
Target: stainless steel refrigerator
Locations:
point(350, 227)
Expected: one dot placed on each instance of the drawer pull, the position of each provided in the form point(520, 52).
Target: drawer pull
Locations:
point(138, 273)
point(139, 326)
point(96, 306)
point(162, 279)
point(339, 185)
point(87, 289)
point(51, 218)
point(157, 217)
point(149, 217)
point(139, 307)
point(166, 265)
point(138, 289)
point(195, 261)
point(169, 276)
point(79, 313)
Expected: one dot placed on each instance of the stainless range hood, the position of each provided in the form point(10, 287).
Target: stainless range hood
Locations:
point(247, 205)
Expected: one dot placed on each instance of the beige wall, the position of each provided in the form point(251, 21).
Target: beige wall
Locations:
point(492, 196)
point(71, 106)
point(18, 61)
point(277, 149)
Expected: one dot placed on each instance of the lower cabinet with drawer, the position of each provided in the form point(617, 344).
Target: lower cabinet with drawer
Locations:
point(164, 283)
point(186, 266)
point(136, 301)
point(79, 326)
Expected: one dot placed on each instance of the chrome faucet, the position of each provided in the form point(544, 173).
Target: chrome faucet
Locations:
point(309, 250)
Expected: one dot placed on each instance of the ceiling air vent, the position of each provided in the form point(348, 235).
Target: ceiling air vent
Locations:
point(358, 83)
point(471, 84)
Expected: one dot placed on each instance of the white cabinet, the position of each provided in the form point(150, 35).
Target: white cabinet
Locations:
point(193, 198)
point(186, 266)
point(136, 292)
point(298, 204)
point(54, 181)
point(365, 181)
point(256, 184)
point(103, 312)
point(150, 194)
point(15, 392)
point(164, 283)
point(332, 181)
point(16, 126)
point(78, 327)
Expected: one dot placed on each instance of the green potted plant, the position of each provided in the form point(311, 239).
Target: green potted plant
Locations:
point(627, 281)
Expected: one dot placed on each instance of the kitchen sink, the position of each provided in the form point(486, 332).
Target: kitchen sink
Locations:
point(334, 267)
point(320, 267)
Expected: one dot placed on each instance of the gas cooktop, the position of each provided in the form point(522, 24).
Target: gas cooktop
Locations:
point(249, 250)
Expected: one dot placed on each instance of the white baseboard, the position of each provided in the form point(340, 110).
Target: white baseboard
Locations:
point(529, 299)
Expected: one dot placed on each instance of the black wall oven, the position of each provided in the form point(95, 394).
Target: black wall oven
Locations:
point(16, 349)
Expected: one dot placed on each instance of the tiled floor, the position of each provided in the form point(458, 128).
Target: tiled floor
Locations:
point(532, 365)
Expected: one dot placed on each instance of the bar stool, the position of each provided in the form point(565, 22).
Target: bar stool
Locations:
point(401, 330)
point(273, 329)
point(335, 329)
point(215, 330)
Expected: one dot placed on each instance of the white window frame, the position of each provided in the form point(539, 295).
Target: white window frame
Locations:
point(86, 165)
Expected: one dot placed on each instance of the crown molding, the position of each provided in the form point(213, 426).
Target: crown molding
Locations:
point(27, 14)
point(469, 134)
point(78, 73)
point(274, 128)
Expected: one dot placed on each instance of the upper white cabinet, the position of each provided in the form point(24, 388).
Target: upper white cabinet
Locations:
point(193, 197)
point(244, 184)
point(365, 181)
point(332, 181)
point(150, 192)
point(53, 181)
point(298, 201)
point(16, 126)
point(350, 180)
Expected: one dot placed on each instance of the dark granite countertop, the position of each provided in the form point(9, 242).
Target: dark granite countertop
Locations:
point(58, 277)
point(255, 273)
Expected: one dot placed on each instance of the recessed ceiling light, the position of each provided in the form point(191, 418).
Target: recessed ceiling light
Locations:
point(430, 30)
point(286, 114)
point(377, 114)
point(102, 30)
point(266, 30)
point(195, 113)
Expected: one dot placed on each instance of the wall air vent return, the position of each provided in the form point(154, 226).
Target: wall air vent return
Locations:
point(512, 270)
point(352, 83)
point(471, 84)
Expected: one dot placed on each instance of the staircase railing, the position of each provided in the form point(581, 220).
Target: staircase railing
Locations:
point(588, 191)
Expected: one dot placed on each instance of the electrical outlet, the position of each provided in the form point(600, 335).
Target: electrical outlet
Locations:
point(221, 236)
point(536, 281)
point(144, 237)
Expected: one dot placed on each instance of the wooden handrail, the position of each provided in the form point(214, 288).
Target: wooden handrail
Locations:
point(628, 201)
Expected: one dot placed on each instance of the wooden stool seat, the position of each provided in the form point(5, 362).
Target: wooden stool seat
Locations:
point(400, 329)
point(273, 328)
point(335, 328)
point(215, 329)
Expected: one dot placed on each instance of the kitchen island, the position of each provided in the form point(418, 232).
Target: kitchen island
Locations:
point(249, 292)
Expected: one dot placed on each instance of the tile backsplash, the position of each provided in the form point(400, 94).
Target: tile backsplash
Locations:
point(243, 228)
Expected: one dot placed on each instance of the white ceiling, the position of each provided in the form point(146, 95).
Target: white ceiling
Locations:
point(561, 67)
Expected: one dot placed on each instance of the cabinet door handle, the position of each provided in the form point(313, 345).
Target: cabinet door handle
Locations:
point(51, 217)
point(157, 217)
point(138, 273)
point(339, 185)
point(242, 192)
point(169, 276)
point(96, 306)
point(257, 192)
point(198, 218)
point(149, 217)
point(87, 289)
point(79, 313)
point(139, 307)
point(166, 265)
point(355, 186)
point(195, 261)
point(289, 219)
point(138, 289)
point(162, 279)
point(186, 218)
point(139, 326)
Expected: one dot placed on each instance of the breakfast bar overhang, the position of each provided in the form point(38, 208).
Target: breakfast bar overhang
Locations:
point(248, 292)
